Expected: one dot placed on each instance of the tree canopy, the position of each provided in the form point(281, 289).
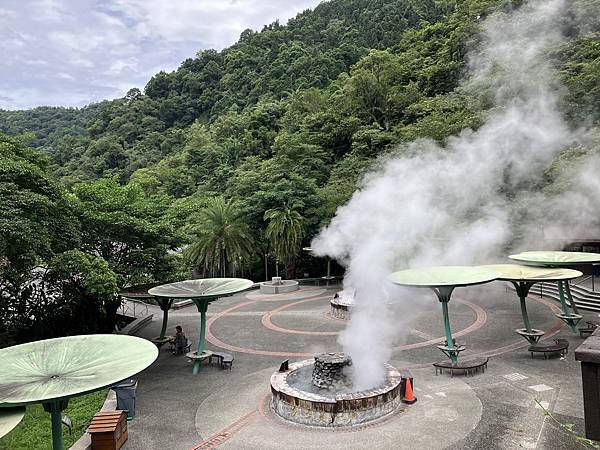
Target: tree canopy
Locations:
point(245, 149)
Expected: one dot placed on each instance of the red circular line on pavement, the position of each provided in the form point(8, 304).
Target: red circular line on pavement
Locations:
point(479, 322)
point(219, 343)
point(267, 323)
point(481, 318)
point(278, 297)
point(233, 428)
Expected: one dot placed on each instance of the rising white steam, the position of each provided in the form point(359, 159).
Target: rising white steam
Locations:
point(435, 205)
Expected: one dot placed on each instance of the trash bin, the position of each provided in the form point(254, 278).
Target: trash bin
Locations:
point(125, 391)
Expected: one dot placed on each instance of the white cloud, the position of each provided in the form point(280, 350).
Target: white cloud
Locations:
point(73, 52)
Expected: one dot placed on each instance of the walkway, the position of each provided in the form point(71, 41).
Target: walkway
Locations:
point(229, 409)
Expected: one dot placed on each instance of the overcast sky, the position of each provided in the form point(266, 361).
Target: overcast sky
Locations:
point(73, 52)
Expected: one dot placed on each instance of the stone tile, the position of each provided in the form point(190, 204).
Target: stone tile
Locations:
point(540, 388)
point(515, 376)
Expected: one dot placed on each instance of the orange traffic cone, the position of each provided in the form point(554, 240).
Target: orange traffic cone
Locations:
point(409, 397)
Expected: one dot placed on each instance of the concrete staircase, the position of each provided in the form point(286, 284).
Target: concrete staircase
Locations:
point(584, 297)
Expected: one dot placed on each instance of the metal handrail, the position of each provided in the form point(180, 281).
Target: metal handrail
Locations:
point(125, 307)
point(581, 280)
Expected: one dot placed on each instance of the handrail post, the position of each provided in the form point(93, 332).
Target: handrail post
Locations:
point(588, 353)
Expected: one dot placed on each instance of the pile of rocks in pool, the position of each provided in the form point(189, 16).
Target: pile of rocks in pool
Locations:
point(328, 371)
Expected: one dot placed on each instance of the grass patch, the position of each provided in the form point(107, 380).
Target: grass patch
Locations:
point(35, 430)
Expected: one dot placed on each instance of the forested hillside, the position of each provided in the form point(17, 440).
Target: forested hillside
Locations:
point(243, 154)
point(311, 51)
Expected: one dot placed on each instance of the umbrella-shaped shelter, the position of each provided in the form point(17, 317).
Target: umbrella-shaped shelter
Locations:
point(443, 280)
point(10, 418)
point(560, 259)
point(523, 278)
point(52, 371)
point(202, 292)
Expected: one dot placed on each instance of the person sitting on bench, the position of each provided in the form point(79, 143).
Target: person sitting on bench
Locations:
point(179, 341)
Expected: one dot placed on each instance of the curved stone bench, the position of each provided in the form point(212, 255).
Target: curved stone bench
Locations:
point(268, 287)
point(468, 366)
point(560, 346)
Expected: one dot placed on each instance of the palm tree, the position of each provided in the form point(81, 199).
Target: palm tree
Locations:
point(223, 241)
point(285, 230)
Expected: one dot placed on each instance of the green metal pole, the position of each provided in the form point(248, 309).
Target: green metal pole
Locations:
point(563, 302)
point(57, 438)
point(522, 288)
point(55, 409)
point(449, 340)
point(570, 297)
point(163, 329)
point(524, 314)
point(203, 307)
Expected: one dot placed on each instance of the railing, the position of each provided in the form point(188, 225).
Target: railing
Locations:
point(133, 308)
point(582, 280)
point(317, 281)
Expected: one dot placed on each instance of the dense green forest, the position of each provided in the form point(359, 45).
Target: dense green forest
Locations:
point(237, 156)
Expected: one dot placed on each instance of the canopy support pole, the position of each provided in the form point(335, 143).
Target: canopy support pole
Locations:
point(163, 329)
point(563, 302)
point(522, 289)
point(570, 297)
point(55, 409)
point(451, 350)
point(530, 334)
point(165, 304)
point(570, 319)
point(202, 307)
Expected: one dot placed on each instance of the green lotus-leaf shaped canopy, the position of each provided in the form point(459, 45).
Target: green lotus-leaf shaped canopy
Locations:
point(65, 367)
point(438, 276)
point(202, 288)
point(517, 272)
point(543, 258)
point(10, 418)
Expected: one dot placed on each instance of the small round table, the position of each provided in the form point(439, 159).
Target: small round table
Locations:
point(443, 280)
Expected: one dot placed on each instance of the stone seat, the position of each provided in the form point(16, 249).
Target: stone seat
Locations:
point(225, 360)
point(469, 366)
point(560, 346)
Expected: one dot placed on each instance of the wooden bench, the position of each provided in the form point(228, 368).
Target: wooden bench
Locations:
point(560, 346)
point(225, 360)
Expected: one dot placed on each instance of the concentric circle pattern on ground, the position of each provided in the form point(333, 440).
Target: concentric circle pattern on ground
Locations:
point(231, 408)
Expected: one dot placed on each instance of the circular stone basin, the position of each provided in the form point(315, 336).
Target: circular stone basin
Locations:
point(341, 305)
point(340, 309)
point(295, 398)
point(278, 287)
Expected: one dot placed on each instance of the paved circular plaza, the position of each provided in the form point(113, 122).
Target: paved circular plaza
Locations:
point(230, 408)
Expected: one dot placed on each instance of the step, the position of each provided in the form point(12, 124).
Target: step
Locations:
point(579, 293)
point(585, 299)
point(591, 305)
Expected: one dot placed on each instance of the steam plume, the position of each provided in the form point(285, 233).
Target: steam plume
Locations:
point(436, 206)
